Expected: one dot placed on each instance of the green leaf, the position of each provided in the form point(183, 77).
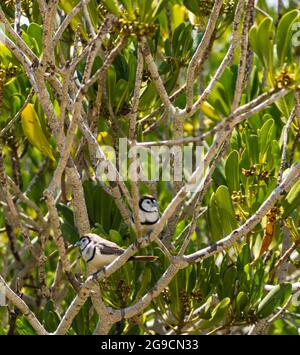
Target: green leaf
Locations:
point(111, 83)
point(101, 207)
point(5, 55)
point(219, 99)
point(128, 7)
point(156, 8)
point(178, 13)
point(115, 237)
point(121, 91)
point(225, 210)
point(253, 149)
point(261, 40)
point(244, 257)
point(68, 227)
point(232, 171)
point(210, 111)
point(78, 323)
point(265, 37)
point(131, 68)
point(242, 301)
point(283, 107)
point(148, 97)
point(193, 6)
point(284, 35)
point(23, 327)
point(292, 200)
point(94, 12)
point(36, 31)
point(218, 176)
point(174, 295)
point(176, 43)
point(217, 315)
point(253, 41)
point(214, 220)
point(206, 310)
point(50, 316)
point(76, 22)
point(229, 282)
point(142, 8)
point(257, 281)
point(100, 230)
point(274, 155)
point(264, 139)
point(275, 298)
point(146, 281)
point(295, 233)
point(33, 131)
point(113, 7)
point(221, 214)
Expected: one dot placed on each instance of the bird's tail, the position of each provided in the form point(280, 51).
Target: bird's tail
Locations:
point(144, 258)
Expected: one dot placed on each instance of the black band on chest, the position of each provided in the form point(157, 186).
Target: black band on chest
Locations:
point(93, 255)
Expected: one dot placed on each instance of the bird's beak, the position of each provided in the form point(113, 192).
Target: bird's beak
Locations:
point(155, 203)
point(76, 244)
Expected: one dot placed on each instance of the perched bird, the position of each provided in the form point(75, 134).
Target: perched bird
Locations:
point(99, 252)
point(148, 213)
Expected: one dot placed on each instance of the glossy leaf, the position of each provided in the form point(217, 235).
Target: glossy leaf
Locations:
point(217, 314)
point(33, 131)
point(292, 200)
point(284, 34)
point(275, 298)
point(232, 171)
point(242, 301)
point(265, 138)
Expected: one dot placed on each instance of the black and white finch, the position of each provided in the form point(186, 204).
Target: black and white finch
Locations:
point(99, 252)
point(148, 213)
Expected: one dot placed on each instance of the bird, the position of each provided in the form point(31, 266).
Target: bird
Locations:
point(148, 213)
point(99, 252)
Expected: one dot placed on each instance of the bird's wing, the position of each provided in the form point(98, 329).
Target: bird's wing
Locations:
point(96, 238)
point(107, 249)
point(106, 246)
